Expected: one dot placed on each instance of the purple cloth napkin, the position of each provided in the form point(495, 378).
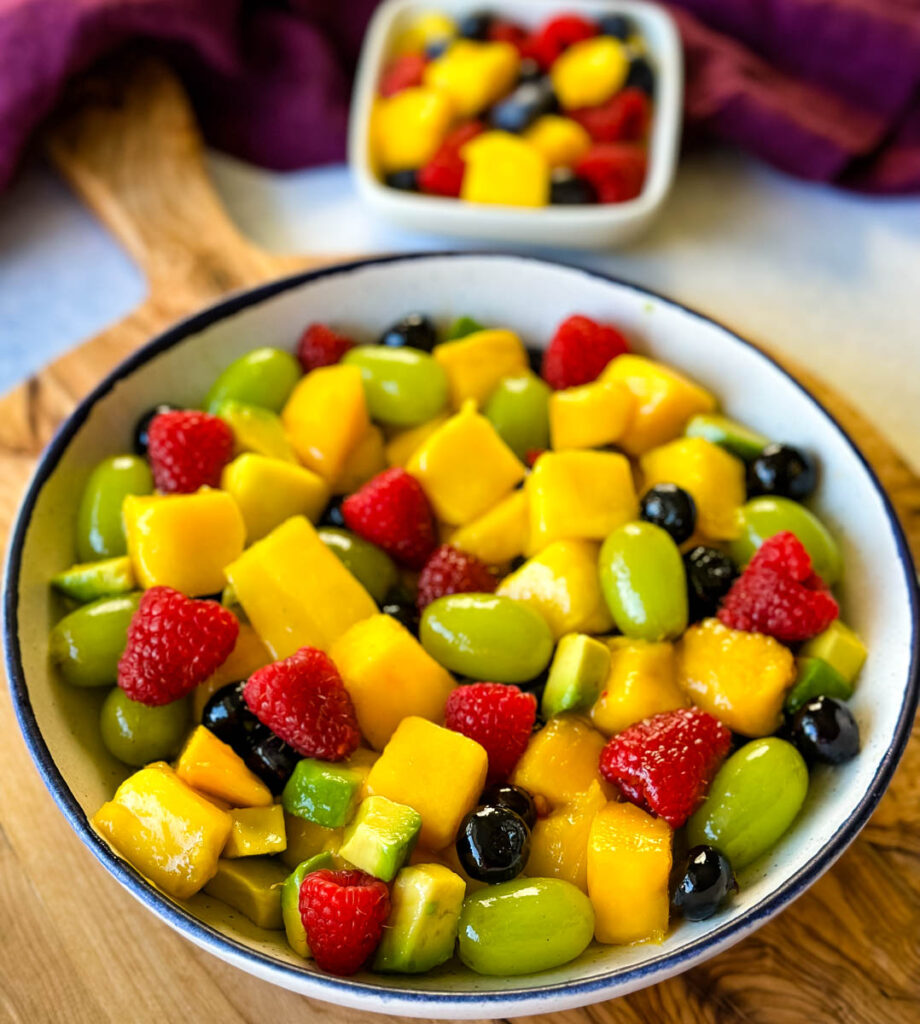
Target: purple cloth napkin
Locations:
point(824, 89)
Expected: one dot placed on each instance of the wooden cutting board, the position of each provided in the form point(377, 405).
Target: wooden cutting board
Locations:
point(75, 947)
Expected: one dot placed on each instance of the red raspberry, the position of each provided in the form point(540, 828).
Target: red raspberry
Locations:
point(174, 643)
point(579, 351)
point(391, 511)
point(778, 594)
point(531, 456)
point(443, 174)
point(402, 73)
point(320, 345)
point(623, 118)
point(302, 699)
point(559, 34)
point(188, 449)
point(665, 764)
point(343, 914)
point(498, 717)
point(452, 571)
point(615, 169)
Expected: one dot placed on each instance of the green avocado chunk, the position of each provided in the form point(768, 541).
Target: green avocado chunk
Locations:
point(381, 837)
point(251, 885)
point(816, 678)
point(578, 672)
point(840, 647)
point(322, 792)
point(461, 327)
point(290, 901)
point(256, 430)
point(728, 434)
point(88, 581)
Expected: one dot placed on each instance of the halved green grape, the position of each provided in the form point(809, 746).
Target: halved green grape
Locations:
point(87, 644)
point(100, 531)
point(519, 410)
point(373, 568)
point(264, 377)
point(88, 581)
point(137, 734)
point(728, 434)
point(461, 327)
point(403, 386)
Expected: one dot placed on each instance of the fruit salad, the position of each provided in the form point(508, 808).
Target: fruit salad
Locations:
point(434, 645)
point(486, 110)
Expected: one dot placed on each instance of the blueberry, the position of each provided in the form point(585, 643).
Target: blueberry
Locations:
point(671, 508)
point(825, 730)
point(710, 574)
point(332, 514)
point(270, 758)
point(414, 331)
point(616, 25)
point(535, 359)
point(518, 111)
point(566, 189)
point(475, 25)
point(529, 70)
point(228, 717)
point(503, 794)
point(400, 605)
point(641, 76)
point(782, 471)
point(706, 883)
point(493, 844)
point(404, 181)
point(142, 427)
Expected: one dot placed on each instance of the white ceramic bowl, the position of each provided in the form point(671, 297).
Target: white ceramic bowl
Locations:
point(584, 227)
point(879, 598)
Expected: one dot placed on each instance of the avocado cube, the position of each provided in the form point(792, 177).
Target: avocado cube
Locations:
point(726, 433)
point(290, 901)
point(816, 678)
point(88, 581)
point(840, 647)
point(305, 839)
point(422, 927)
point(256, 430)
point(381, 837)
point(321, 792)
point(580, 667)
point(251, 885)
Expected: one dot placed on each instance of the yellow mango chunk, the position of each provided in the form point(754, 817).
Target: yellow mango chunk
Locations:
point(295, 591)
point(560, 762)
point(256, 830)
point(367, 459)
point(268, 491)
point(579, 496)
point(402, 446)
point(665, 400)
point(475, 364)
point(473, 74)
point(214, 767)
point(504, 170)
point(407, 129)
point(183, 541)
point(465, 467)
point(428, 27)
point(325, 418)
point(711, 476)
point(249, 654)
point(170, 833)
point(642, 682)
point(589, 72)
point(629, 860)
point(562, 584)
point(559, 842)
point(305, 839)
point(498, 535)
point(741, 678)
point(389, 675)
point(590, 416)
point(561, 140)
point(438, 772)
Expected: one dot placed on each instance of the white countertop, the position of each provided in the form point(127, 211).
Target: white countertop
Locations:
point(830, 278)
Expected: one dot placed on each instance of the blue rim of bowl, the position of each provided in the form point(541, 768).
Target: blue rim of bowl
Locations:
point(605, 984)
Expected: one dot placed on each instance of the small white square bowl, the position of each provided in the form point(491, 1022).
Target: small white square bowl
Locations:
point(585, 227)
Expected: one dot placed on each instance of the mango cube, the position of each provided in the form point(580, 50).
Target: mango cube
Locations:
point(504, 170)
point(406, 129)
point(629, 860)
point(268, 491)
point(170, 833)
point(560, 139)
point(425, 28)
point(589, 72)
point(438, 772)
point(642, 682)
point(256, 430)
point(249, 654)
point(255, 831)
point(559, 843)
point(498, 535)
point(562, 584)
point(183, 541)
point(326, 417)
point(579, 496)
point(367, 459)
point(295, 591)
point(560, 762)
point(465, 467)
point(476, 363)
point(590, 416)
point(251, 885)
point(402, 446)
point(214, 767)
point(473, 74)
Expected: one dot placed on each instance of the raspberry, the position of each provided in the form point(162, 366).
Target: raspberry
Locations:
point(452, 571)
point(623, 118)
point(498, 717)
point(188, 449)
point(579, 351)
point(665, 764)
point(302, 699)
point(615, 169)
point(402, 73)
point(343, 914)
point(174, 643)
point(443, 174)
point(778, 594)
point(557, 35)
point(531, 456)
point(320, 345)
point(391, 511)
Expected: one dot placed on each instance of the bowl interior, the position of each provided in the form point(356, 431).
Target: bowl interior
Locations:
point(530, 296)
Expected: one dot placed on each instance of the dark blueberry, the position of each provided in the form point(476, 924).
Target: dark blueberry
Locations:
point(538, 723)
point(271, 759)
point(641, 76)
point(503, 794)
point(783, 471)
point(518, 111)
point(536, 686)
point(825, 730)
point(405, 181)
point(228, 717)
point(516, 562)
point(493, 844)
point(529, 70)
point(566, 189)
point(142, 427)
point(414, 331)
point(710, 574)
point(400, 605)
point(437, 47)
point(475, 25)
point(706, 883)
point(535, 359)
point(671, 508)
point(616, 25)
point(332, 514)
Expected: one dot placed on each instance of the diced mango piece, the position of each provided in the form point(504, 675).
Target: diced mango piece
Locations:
point(256, 830)
point(389, 675)
point(402, 446)
point(183, 541)
point(559, 843)
point(252, 886)
point(629, 860)
point(498, 535)
point(295, 591)
point(256, 430)
point(562, 584)
point(428, 27)
point(438, 772)
point(589, 72)
point(560, 139)
point(504, 170)
point(268, 491)
point(741, 678)
point(579, 496)
point(465, 467)
point(713, 477)
point(249, 654)
point(473, 74)
point(406, 129)
point(642, 682)
point(367, 459)
point(475, 364)
point(560, 762)
point(214, 767)
point(305, 839)
point(665, 400)
point(590, 416)
point(170, 833)
point(325, 417)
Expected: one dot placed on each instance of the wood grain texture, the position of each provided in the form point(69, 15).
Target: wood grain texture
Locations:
point(75, 947)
